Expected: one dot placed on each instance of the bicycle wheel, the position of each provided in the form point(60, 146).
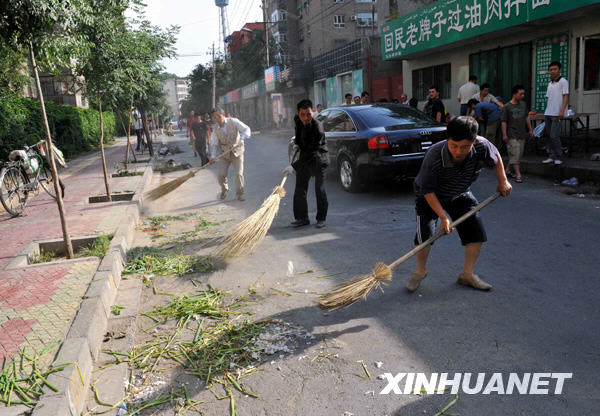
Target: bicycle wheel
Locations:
point(13, 194)
point(47, 180)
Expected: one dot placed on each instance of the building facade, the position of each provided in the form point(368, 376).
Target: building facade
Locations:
point(503, 44)
point(176, 90)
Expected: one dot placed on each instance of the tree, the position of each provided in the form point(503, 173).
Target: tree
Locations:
point(48, 30)
point(102, 70)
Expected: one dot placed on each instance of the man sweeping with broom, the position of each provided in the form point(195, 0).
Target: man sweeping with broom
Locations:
point(443, 191)
point(228, 136)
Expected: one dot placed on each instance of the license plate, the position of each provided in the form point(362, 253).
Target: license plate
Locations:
point(426, 145)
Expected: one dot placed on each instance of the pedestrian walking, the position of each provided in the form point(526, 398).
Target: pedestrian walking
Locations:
point(558, 99)
point(356, 99)
point(443, 189)
point(364, 97)
point(404, 99)
point(313, 160)
point(348, 98)
point(138, 126)
point(191, 119)
point(466, 92)
point(434, 106)
point(199, 133)
point(516, 128)
point(229, 134)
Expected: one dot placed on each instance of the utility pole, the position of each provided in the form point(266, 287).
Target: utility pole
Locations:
point(214, 79)
point(264, 7)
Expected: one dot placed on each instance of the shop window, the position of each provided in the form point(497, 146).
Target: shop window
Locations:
point(338, 20)
point(591, 69)
point(424, 78)
point(365, 19)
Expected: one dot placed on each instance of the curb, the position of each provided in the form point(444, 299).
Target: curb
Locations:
point(83, 341)
point(559, 173)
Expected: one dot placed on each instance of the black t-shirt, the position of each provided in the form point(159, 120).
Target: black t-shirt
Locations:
point(200, 130)
point(433, 107)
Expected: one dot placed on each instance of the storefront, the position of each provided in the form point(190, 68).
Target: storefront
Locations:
point(503, 43)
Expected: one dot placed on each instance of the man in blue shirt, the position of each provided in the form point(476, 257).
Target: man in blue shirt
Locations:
point(443, 188)
point(488, 113)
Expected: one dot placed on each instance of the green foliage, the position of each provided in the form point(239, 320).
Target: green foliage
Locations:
point(42, 257)
point(99, 247)
point(13, 76)
point(74, 130)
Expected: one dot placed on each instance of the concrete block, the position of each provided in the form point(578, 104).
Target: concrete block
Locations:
point(69, 381)
point(14, 411)
point(110, 384)
point(55, 405)
point(113, 280)
point(129, 297)
point(112, 262)
point(105, 290)
point(90, 323)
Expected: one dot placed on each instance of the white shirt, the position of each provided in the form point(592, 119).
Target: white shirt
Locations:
point(487, 99)
point(244, 130)
point(467, 91)
point(137, 124)
point(555, 93)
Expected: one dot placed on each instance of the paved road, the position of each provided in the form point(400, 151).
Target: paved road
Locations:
point(541, 316)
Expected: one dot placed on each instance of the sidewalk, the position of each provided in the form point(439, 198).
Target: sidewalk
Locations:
point(578, 164)
point(38, 302)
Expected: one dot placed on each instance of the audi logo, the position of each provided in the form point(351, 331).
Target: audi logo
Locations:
point(425, 132)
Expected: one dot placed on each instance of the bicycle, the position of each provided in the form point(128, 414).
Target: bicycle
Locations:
point(23, 174)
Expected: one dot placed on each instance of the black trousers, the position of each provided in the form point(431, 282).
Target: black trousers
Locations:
point(138, 133)
point(200, 146)
point(300, 204)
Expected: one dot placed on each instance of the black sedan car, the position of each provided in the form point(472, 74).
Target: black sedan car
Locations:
point(377, 141)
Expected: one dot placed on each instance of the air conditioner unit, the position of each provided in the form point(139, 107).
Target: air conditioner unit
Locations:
point(353, 18)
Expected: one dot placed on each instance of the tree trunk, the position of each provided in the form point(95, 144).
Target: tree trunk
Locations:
point(147, 132)
point(128, 132)
point(108, 196)
point(50, 153)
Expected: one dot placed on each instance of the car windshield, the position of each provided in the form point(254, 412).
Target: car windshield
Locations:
point(396, 117)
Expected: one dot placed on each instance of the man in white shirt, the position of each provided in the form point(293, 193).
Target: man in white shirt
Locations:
point(404, 99)
point(466, 92)
point(485, 97)
point(138, 126)
point(228, 136)
point(558, 99)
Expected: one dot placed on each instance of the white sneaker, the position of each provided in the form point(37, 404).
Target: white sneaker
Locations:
point(546, 161)
point(558, 162)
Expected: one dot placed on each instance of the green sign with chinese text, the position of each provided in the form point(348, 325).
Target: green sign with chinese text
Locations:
point(448, 21)
point(549, 49)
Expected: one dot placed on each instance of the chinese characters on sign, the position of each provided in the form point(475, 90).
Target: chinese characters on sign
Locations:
point(448, 21)
point(551, 48)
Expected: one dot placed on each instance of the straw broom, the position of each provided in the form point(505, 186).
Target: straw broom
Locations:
point(359, 287)
point(170, 186)
point(253, 229)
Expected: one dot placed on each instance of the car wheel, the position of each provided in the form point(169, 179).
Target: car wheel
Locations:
point(348, 175)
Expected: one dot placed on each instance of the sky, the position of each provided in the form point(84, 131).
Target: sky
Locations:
point(199, 21)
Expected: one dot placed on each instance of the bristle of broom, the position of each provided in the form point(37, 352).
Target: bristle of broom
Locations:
point(253, 229)
point(356, 289)
point(167, 187)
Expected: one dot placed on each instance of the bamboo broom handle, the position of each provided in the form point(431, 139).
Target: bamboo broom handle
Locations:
point(214, 160)
point(283, 181)
point(441, 233)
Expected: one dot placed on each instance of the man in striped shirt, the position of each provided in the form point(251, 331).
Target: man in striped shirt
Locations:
point(443, 188)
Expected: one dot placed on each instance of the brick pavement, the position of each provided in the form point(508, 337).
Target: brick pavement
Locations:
point(38, 302)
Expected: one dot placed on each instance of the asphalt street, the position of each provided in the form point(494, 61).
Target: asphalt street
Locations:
point(541, 315)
